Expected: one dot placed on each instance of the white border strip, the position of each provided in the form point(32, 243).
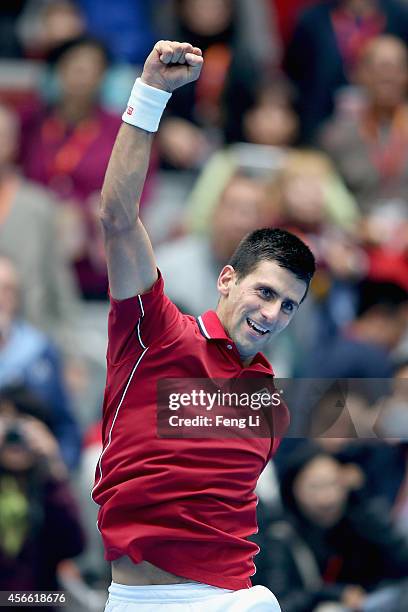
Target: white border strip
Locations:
point(141, 306)
point(201, 323)
point(99, 464)
point(140, 320)
point(114, 419)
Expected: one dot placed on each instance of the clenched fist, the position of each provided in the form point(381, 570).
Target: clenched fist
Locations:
point(171, 65)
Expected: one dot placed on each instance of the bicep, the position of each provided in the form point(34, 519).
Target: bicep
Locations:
point(130, 259)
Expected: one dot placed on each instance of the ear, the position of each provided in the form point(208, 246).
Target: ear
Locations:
point(225, 280)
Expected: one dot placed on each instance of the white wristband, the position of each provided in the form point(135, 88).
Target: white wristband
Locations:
point(145, 106)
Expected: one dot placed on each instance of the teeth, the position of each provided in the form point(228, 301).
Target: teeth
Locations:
point(257, 327)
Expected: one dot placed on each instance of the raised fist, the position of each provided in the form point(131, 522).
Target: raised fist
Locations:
point(171, 65)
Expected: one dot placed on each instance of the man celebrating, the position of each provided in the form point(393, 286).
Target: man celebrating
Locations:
point(175, 514)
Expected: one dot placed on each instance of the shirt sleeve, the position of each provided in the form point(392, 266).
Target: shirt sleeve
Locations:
point(137, 322)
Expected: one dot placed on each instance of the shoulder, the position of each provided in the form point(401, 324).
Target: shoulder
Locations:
point(137, 322)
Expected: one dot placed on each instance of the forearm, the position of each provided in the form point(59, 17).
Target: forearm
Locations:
point(129, 252)
point(125, 177)
point(168, 66)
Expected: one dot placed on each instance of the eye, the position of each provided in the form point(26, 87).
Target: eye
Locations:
point(266, 292)
point(288, 307)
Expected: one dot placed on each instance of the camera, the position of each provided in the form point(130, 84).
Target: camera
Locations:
point(14, 435)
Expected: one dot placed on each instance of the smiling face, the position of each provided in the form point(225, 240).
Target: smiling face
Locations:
point(256, 308)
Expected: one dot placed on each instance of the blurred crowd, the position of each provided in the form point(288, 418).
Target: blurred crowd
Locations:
point(299, 120)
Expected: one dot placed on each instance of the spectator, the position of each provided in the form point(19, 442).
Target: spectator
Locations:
point(381, 427)
point(300, 184)
point(66, 146)
point(309, 198)
point(363, 349)
point(325, 45)
point(190, 131)
point(45, 25)
point(384, 235)
point(39, 519)
point(392, 425)
point(28, 235)
point(240, 210)
point(393, 419)
point(371, 149)
point(212, 109)
point(207, 190)
point(330, 547)
point(263, 111)
point(28, 357)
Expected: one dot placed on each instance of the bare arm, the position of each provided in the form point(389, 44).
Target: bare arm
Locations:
point(129, 253)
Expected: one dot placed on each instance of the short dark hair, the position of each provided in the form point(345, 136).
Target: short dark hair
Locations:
point(58, 53)
point(383, 295)
point(273, 244)
point(26, 402)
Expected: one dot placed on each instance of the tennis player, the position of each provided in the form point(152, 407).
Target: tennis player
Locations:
point(175, 514)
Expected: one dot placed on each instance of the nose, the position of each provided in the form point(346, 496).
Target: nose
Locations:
point(270, 312)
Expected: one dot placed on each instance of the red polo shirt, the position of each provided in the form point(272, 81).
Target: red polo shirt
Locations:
point(185, 505)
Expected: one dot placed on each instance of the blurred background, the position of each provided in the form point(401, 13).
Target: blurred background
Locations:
point(299, 120)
